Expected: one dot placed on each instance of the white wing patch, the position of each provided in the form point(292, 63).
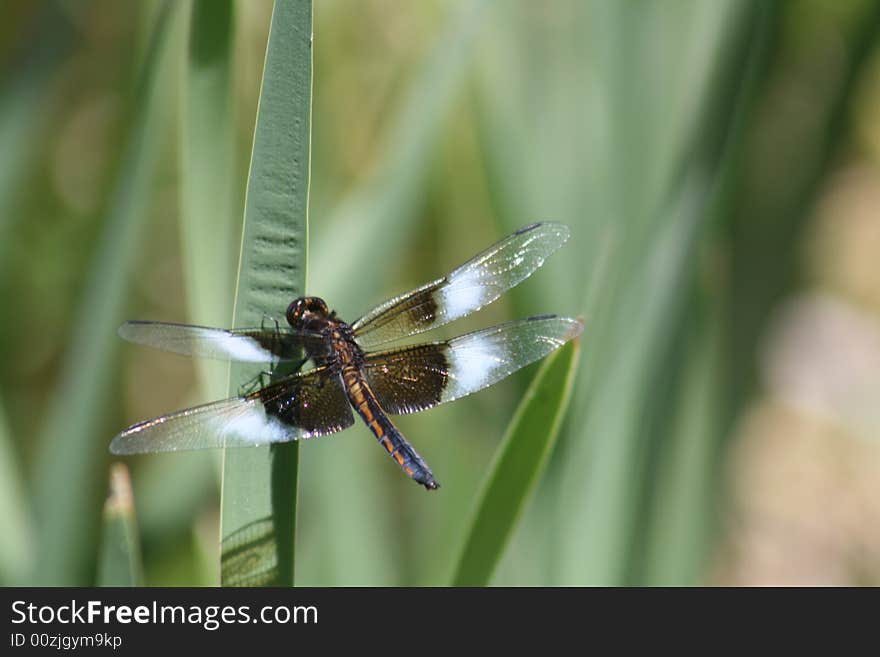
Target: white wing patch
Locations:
point(197, 341)
point(252, 425)
point(472, 366)
point(465, 293)
point(487, 276)
point(241, 348)
point(479, 359)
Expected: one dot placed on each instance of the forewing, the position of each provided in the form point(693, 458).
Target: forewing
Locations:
point(415, 378)
point(304, 405)
point(244, 345)
point(476, 283)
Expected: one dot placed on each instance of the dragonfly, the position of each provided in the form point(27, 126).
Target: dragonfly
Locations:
point(354, 371)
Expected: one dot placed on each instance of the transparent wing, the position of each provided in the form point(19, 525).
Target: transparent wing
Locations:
point(414, 378)
point(244, 345)
point(304, 405)
point(476, 283)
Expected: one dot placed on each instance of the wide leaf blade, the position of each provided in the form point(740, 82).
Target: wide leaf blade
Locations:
point(259, 484)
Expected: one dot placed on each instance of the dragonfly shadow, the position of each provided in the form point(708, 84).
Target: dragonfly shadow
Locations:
point(250, 555)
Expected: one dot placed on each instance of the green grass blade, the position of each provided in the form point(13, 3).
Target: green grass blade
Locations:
point(16, 539)
point(522, 456)
point(119, 563)
point(604, 451)
point(70, 467)
point(680, 478)
point(676, 539)
point(259, 484)
point(26, 108)
point(208, 199)
point(607, 452)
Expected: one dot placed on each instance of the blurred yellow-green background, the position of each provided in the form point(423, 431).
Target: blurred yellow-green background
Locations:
point(718, 163)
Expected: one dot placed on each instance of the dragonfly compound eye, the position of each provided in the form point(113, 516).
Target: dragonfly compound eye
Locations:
point(295, 311)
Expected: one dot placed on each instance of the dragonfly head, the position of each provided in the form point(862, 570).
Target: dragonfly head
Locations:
point(303, 312)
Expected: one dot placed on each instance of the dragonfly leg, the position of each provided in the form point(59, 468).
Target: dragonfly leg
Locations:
point(271, 320)
point(259, 381)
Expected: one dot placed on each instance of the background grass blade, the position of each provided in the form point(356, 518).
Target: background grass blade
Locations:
point(25, 109)
point(584, 152)
point(208, 189)
point(119, 563)
point(73, 448)
point(675, 545)
point(260, 484)
point(210, 223)
point(16, 539)
point(519, 462)
point(681, 448)
point(657, 260)
point(175, 488)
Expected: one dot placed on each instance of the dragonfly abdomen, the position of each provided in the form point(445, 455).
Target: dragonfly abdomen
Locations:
point(398, 447)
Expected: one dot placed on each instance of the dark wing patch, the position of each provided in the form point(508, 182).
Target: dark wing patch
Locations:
point(316, 405)
point(408, 380)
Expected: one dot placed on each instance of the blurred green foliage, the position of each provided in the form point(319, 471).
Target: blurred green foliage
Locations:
point(685, 144)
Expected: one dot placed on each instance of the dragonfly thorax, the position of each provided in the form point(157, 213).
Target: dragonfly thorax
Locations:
point(312, 315)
